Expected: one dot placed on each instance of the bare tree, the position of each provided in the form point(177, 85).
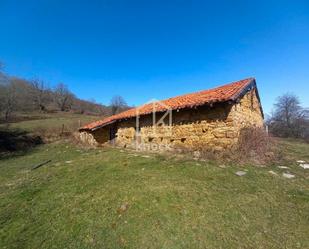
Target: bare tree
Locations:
point(7, 94)
point(287, 109)
point(81, 106)
point(4, 79)
point(289, 117)
point(63, 97)
point(2, 89)
point(2, 97)
point(8, 101)
point(39, 94)
point(117, 104)
point(21, 95)
point(302, 124)
point(23, 100)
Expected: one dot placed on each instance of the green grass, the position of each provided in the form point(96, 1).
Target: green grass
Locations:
point(294, 149)
point(52, 121)
point(172, 202)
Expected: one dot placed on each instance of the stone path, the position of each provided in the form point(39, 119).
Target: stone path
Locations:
point(300, 161)
point(241, 173)
point(283, 167)
point(273, 172)
point(304, 165)
point(288, 175)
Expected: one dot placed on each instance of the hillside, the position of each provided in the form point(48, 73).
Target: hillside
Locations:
point(35, 120)
point(32, 129)
point(33, 97)
point(109, 198)
point(112, 198)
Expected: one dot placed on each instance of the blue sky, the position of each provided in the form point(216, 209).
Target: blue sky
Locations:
point(158, 49)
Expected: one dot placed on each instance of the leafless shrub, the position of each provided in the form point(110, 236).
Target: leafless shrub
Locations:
point(48, 134)
point(51, 134)
point(256, 146)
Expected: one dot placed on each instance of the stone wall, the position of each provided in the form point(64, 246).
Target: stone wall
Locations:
point(97, 137)
point(213, 128)
point(87, 138)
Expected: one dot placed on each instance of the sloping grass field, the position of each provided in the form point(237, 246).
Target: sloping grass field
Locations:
point(51, 121)
point(109, 198)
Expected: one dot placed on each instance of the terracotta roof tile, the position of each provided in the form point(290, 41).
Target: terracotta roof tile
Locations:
point(224, 93)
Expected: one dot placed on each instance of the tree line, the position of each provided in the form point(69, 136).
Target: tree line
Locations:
point(20, 95)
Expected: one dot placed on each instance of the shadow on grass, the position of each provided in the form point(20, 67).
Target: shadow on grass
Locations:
point(16, 142)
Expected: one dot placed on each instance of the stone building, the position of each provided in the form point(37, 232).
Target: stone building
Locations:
point(210, 119)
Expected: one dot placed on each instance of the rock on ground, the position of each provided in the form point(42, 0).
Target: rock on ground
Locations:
point(241, 173)
point(272, 172)
point(301, 161)
point(288, 175)
point(283, 167)
point(146, 156)
point(304, 165)
point(124, 207)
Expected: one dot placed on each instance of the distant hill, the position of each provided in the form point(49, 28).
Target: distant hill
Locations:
point(19, 95)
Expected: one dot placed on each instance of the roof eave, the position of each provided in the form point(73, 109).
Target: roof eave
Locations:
point(97, 127)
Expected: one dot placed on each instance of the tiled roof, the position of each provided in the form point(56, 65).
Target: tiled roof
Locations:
point(229, 92)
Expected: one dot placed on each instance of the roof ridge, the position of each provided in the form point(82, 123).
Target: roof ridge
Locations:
point(211, 89)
